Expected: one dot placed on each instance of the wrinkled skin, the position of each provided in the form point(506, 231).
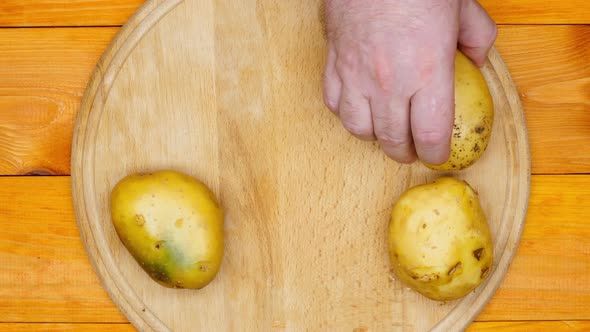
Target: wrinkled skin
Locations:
point(390, 69)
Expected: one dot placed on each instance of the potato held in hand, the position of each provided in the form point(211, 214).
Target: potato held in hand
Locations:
point(172, 225)
point(474, 116)
point(439, 239)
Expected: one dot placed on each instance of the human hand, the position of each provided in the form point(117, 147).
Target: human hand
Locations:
point(390, 69)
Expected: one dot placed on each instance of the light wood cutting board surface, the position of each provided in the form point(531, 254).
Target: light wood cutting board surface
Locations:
point(231, 93)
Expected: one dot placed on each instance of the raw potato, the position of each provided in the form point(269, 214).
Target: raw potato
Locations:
point(474, 116)
point(172, 225)
point(439, 239)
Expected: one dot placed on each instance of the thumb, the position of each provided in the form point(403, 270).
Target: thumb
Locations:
point(477, 31)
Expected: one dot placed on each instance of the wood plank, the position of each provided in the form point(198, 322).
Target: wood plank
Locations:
point(43, 73)
point(549, 65)
point(538, 12)
point(48, 278)
point(46, 275)
point(66, 13)
point(536, 326)
point(549, 276)
point(66, 327)
point(115, 13)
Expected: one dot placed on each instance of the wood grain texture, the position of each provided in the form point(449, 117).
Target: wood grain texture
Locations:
point(557, 249)
point(551, 68)
point(43, 73)
point(30, 13)
point(542, 326)
point(51, 13)
point(115, 13)
point(46, 70)
point(63, 327)
point(47, 276)
point(538, 12)
point(538, 326)
point(151, 106)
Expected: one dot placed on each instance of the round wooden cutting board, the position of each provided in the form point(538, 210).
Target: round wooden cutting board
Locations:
point(230, 92)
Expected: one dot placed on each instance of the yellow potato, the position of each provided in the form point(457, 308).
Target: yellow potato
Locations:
point(172, 225)
point(439, 240)
point(474, 116)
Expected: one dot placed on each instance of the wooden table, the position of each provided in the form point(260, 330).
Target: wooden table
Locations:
point(48, 49)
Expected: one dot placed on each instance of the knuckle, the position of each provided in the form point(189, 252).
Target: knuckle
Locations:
point(358, 128)
point(391, 139)
point(330, 98)
point(493, 34)
point(426, 70)
point(352, 119)
point(381, 61)
point(383, 73)
point(352, 115)
point(403, 158)
point(486, 37)
point(331, 103)
point(391, 132)
point(347, 61)
point(431, 137)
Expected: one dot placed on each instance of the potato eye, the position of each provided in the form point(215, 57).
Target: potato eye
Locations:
point(454, 268)
point(478, 253)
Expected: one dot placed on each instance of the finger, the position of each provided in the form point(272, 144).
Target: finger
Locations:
point(432, 114)
point(477, 32)
point(355, 113)
point(391, 122)
point(332, 83)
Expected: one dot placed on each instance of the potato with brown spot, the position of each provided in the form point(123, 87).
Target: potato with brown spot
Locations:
point(474, 117)
point(439, 239)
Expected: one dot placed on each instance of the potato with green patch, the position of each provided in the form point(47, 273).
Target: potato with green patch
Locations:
point(474, 117)
point(172, 225)
point(439, 239)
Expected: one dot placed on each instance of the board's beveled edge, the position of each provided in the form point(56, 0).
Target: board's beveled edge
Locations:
point(130, 34)
point(473, 308)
